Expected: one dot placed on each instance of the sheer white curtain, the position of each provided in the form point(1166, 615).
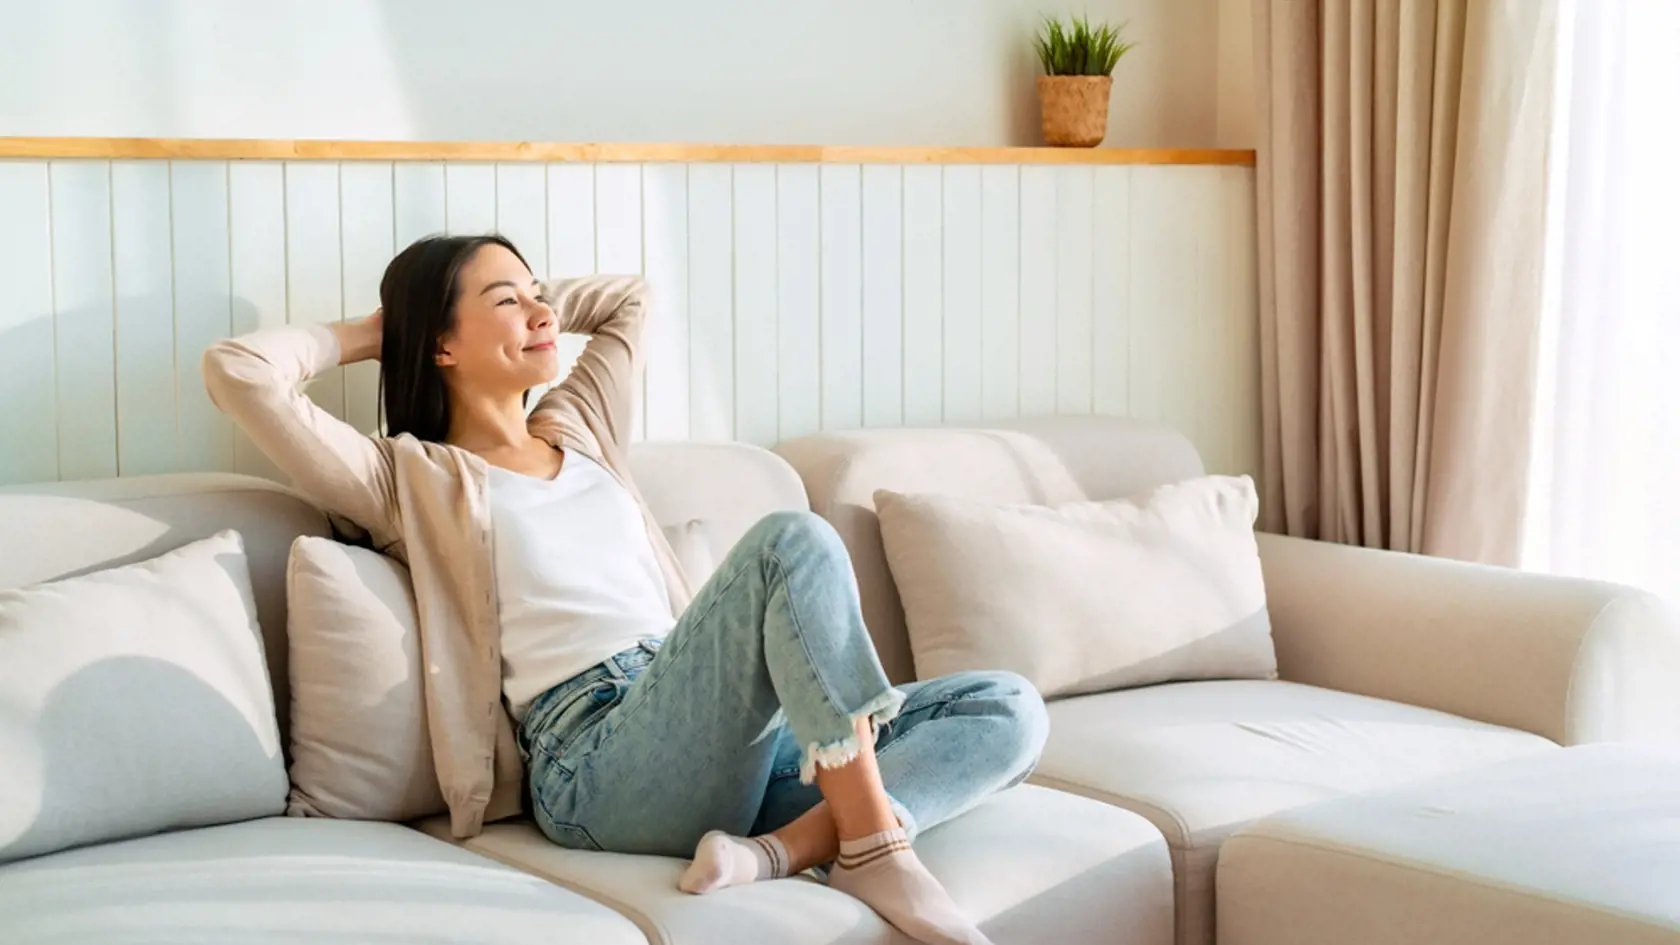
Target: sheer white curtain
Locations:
point(1605, 489)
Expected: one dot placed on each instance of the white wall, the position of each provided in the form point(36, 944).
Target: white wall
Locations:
point(883, 72)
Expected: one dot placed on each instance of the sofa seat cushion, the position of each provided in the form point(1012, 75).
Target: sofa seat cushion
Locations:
point(291, 880)
point(1031, 865)
point(1573, 847)
point(1201, 759)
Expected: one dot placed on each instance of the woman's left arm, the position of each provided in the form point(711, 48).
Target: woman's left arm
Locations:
point(606, 380)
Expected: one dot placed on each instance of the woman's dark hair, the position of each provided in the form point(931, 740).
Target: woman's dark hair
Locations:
point(418, 295)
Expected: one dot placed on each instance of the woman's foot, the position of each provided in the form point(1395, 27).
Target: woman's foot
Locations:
point(721, 861)
point(883, 872)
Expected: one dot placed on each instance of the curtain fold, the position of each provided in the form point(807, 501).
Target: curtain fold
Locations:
point(1402, 173)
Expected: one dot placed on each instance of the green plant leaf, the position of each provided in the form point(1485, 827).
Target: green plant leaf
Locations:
point(1079, 48)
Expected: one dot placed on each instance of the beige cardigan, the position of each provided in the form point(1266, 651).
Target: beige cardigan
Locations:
point(427, 505)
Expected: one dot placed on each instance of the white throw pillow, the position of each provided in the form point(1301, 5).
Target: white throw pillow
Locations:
point(135, 700)
point(360, 745)
point(1084, 596)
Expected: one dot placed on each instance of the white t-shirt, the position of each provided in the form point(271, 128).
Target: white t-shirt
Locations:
point(576, 578)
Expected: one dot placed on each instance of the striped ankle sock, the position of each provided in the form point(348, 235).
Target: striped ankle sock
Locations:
point(885, 874)
point(721, 861)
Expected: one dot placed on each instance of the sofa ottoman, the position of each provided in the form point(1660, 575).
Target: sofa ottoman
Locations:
point(1579, 846)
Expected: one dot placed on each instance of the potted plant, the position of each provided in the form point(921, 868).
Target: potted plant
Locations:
point(1078, 61)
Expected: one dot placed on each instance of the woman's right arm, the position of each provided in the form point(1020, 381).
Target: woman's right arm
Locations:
point(257, 380)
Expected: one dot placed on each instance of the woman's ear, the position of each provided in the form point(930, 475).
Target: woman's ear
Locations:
point(443, 357)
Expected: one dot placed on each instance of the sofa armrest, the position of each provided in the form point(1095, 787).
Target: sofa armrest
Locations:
point(1569, 659)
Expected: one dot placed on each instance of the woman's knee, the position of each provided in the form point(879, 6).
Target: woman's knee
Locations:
point(795, 536)
point(1019, 709)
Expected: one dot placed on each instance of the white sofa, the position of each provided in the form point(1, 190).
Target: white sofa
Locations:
point(1033, 864)
point(1392, 667)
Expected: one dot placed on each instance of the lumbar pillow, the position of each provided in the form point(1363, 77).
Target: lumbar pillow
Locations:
point(360, 745)
point(1084, 596)
point(135, 700)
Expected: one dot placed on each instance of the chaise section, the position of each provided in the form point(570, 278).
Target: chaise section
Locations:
point(1030, 865)
point(1202, 759)
point(292, 880)
point(1579, 846)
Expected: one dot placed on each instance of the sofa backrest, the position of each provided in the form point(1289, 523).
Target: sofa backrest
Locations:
point(56, 530)
point(1041, 461)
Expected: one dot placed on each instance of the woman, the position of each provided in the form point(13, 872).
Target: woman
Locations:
point(560, 636)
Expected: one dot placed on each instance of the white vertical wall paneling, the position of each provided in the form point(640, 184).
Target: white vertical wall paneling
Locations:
point(83, 319)
point(314, 277)
point(203, 309)
point(369, 243)
point(1242, 283)
point(417, 193)
point(756, 344)
point(28, 418)
point(618, 218)
point(1111, 269)
point(257, 264)
point(1000, 291)
point(1216, 330)
point(147, 433)
point(665, 250)
point(469, 190)
point(798, 297)
point(618, 237)
point(883, 296)
point(964, 392)
point(571, 234)
point(1074, 233)
point(1180, 316)
point(522, 211)
point(571, 219)
point(1038, 291)
point(1153, 273)
point(841, 244)
point(711, 306)
point(924, 277)
point(787, 299)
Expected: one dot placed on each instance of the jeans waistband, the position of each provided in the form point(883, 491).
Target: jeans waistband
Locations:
point(623, 666)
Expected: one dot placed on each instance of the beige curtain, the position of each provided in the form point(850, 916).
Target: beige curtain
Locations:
point(1402, 180)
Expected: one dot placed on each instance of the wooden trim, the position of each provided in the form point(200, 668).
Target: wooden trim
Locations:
point(275, 149)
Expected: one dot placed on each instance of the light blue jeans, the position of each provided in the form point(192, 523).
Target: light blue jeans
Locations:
point(719, 725)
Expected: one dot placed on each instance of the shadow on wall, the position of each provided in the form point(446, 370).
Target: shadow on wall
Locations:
point(134, 745)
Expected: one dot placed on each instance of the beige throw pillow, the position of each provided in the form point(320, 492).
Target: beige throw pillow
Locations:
point(1085, 596)
point(360, 745)
point(135, 700)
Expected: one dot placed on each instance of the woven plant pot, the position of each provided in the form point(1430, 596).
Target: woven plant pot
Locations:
point(1073, 109)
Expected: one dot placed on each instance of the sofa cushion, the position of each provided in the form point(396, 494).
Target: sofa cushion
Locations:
point(1084, 596)
point(359, 741)
point(1039, 461)
point(289, 880)
point(1579, 846)
point(1201, 759)
point(55, 530)
point(134, 700)
point(1030, 865)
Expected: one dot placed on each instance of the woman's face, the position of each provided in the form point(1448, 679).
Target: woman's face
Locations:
point(504, 334)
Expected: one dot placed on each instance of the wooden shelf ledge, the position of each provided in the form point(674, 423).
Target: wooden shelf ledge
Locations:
point(317, 150)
